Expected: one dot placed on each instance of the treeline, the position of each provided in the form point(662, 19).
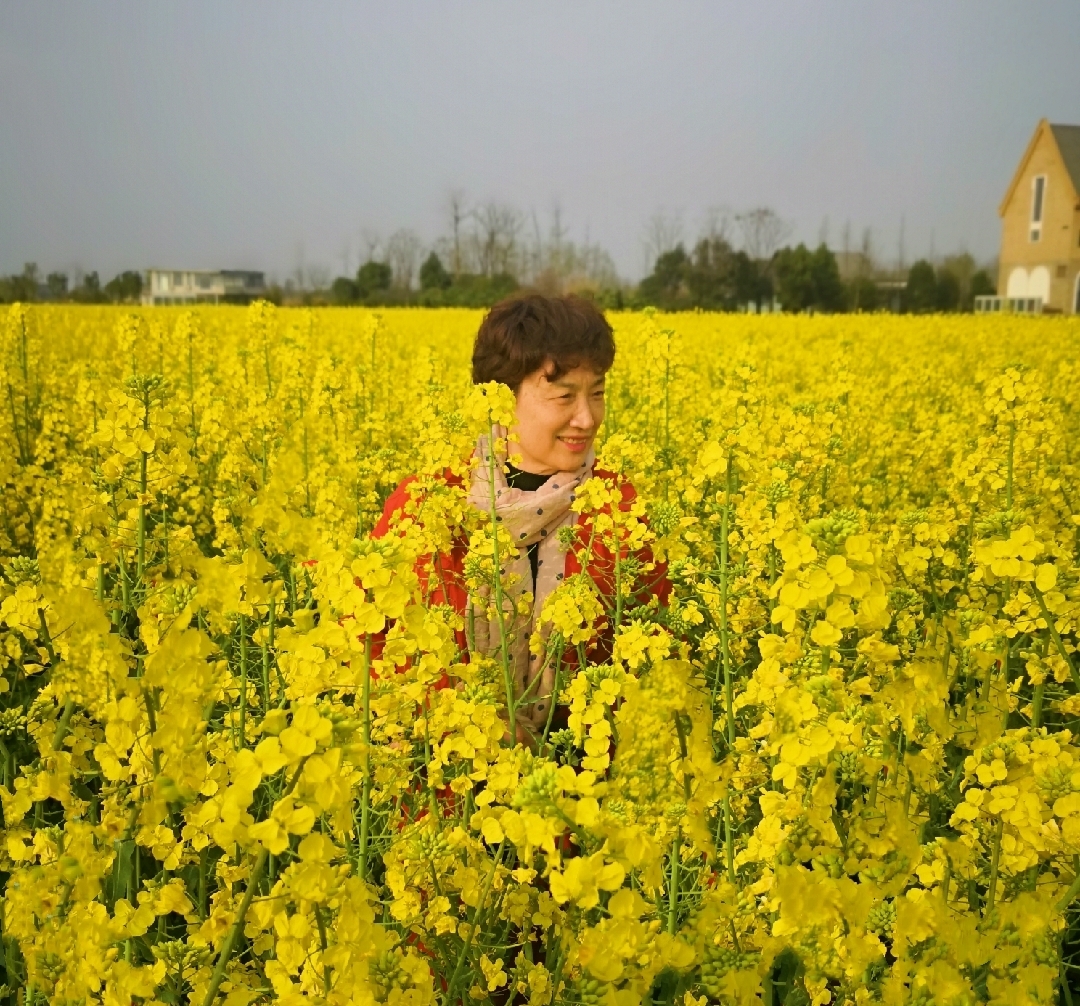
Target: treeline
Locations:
point(490, 250)
point(29, 286)
point(716, 277)
point(438, 287)
point(739, 262)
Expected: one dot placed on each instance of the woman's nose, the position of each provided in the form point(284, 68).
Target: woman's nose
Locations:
point(583, 418)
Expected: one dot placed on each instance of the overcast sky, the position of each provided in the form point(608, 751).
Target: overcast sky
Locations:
point(265, 134)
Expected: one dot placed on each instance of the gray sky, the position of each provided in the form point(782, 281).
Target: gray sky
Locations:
point(256, 134)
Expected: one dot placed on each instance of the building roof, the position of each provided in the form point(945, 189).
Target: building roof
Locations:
point(211, 272)
point(1068, 141)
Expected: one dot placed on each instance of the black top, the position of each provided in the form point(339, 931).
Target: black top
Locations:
point(517, 479)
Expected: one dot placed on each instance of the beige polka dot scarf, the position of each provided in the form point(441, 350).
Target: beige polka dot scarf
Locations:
point(528, 517)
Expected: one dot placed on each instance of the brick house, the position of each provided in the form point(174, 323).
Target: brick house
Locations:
point(1040, 222)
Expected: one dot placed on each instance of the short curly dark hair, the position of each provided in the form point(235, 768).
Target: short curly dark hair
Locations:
point(522, 333)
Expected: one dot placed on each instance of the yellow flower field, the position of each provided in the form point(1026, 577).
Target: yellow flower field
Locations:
point(842, 767)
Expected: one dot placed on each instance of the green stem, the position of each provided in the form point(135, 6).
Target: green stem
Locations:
point(62, 725)
point(46, 638)
point(266, 362)
point(24, 452)
point(729, 840)
point(243, 679)
point(725, 651)
point(1056, 636)
point(323, 946)
point(673, 883)
point(151, 722)
point(191, 391)
point(667, 390)
point(504, 643)
point(618, 582)
point(238, 923)
point(202, 882)
point(234, 932)
point(985, 690)
point(1009, 475)
point(365, 804)
point(995, 856)
point(452, 987)
point(1070, 895)
point(266, 666)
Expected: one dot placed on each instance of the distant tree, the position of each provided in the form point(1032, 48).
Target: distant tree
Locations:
point(708, 273)
point(807, 279)
point(749, 283)
point(717, 224)
point(403, 250)
point(663, 233)
point(125, 288)
point(793, 272)
point(763, 232)
point(863, 294)
point(57, 285)
point(373, 277)
point(664, 286)
point(828, 288)
point(982, 285)
point(458, 211)
point(433, 275)
point(948, 291)
point(344, 291)
point(318, 277)
point(89, 290)
point(922, 288)
point(493, 243)
point(471, 290)
point(954, 279)
point(20, 287)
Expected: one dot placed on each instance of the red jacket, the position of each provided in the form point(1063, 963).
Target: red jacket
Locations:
point(449, 586)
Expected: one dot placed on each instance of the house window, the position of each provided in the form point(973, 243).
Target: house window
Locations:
point(1038, 197)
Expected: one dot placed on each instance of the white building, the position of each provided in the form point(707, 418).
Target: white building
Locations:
point(202, 286)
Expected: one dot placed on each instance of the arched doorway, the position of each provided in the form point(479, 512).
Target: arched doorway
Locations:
point(1018, 283)
point(1039, 283)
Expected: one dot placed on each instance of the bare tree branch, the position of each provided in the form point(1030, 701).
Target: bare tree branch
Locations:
point(371, 243)
point(717, 224)
point(663, 231)
point(403, 249)
point(763, 231)
point(457, 207)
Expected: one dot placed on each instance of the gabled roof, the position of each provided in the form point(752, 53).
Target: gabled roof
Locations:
point(1067, 140)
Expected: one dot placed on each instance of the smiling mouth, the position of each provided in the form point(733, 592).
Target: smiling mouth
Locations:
point(574, 443)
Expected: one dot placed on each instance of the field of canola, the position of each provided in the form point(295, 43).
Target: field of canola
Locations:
point(842, 767)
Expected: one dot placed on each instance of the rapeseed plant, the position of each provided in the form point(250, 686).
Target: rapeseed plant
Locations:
point(249, 753)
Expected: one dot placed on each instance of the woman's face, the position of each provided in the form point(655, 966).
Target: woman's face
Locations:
point(557, 419)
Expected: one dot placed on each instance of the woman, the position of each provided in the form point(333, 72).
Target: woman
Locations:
point(554, 354)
